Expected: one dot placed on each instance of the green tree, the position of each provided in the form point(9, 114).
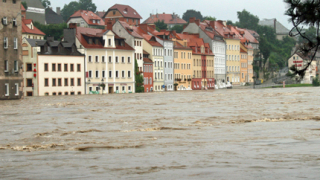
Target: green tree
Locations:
point(87, 5)
point(247, 20)
point(310, 33)
point(210, 18)
point(229, 22)
point(138, 78)
point(24, 4)
point(55, 30)
point(177, 28)
point(192, 13)
point(69, 9)
point(161, 25)
point(46, 3)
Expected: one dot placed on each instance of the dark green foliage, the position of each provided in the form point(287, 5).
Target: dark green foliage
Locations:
point(161, 25)
point(229, 22)
point(310, 33)
point(55, 30)
point(177, 28)
point(46, 3)
point(24, 4)
point(247, 20)
point(87, 5)
point(315, 81)
point(192, 13)
point(210, 18)
point(73, 6)
point(138, 78)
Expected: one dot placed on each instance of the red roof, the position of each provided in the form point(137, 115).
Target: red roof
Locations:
point(167, 18)
point(147, 60)
point(130, 29)
point(88, 16)
point(246, 34)
point(223, 30)
point(27, 30)
point(90, 32)
point(242, 51)
point(100, 13)
point(125, 10)
point(150, 39)
point(195, 43)
point(22, 8)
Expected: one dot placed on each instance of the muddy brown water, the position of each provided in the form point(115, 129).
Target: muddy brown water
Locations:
point(222, 134)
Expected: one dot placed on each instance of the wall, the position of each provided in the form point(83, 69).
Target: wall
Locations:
point(30, 56)
point(183, 67)
point(168, 65)
point(233, 66)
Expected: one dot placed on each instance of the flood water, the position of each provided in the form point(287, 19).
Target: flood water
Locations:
point(222, 134)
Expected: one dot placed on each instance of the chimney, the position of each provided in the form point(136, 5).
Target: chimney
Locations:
point(109, 25)
point(192, 20)
point(58, 10)
point(157, 15)
point(69, 35)
point(197, 22)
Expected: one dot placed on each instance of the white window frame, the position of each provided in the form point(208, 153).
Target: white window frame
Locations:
point(103, 59)
point(96, 59)
point(123, 60)
point(17, 89)
point(6, 85)
point(117, 74)
point(110, 59)
point(129, 74)
point(90, 74)
point(14, 22)
point(129, 88)
point(129, 59)
point(90, 59)
point(16, 66)
point(123, 74)
point(123, 88)
point(103, 74)
point(117, 59)
point(110, 73)
point(5, 21)
point(5, 43)
point(97, 75)
point(15, 43)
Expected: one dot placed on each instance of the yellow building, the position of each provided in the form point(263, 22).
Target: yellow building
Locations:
point(244, 64)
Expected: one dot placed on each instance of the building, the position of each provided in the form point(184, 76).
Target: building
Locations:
point(244, 64)
point(300, 61)
point(117, 11)
point(29, 31)
point(170, 19)
point(35, 11)
point(53, 17)
point(281, 30)
point(207, 31)
point(109, 59)
point(147, 72)
point(10, 50)
point(88, 19)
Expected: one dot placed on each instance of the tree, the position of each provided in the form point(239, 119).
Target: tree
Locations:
point(87, 5)
point(177, 28)
point(55, 30)
point(139, 79)
point(210, 18)
point(69, 9)
point(304, 13)
point(46, 3)
point(161, 25)
point(310, 33)
point(229, 22)
point(24, 4)
point(247, 20)
point(192, 13)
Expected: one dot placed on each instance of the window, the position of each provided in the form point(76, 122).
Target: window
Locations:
point(53, 67)
point(54, 94)
point(110, 74)
point(46, 68)
point(117, 60)
point(14, 22)
point(46, 82)
point(129, 60)
point(90, 88)
point(109, 42)
point(129, 74)
point(16, 68)
point(102, 59)
point(5, 42)
point(117, 74)
point(129, 88)
point(54, 82)
point(6, 89)
point(71, 67)
point(79, 82)
point(89, 59)
point(29, 67)
point(122, 59)
point(66, 93)
point(17, 89)
point(59, 82)
point(123, 76)
point(59, 67)
point(97, 74)
point(79, 67)
point(79, 93)
point(123, 88)
point(5, 21)
point(110, 59)
point(97, 58)
point(90, 74)
point(103, 74)
point(15, 43)
point(29, 82)
point(65, 81)
point(65, 67)
point(72, 82)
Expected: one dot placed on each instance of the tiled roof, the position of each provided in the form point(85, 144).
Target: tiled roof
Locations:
point(280, 29)
point(167, 18)
point(35, 42)
point(90, 32)
point(195, 43)
point(242, 51)
point(100, 13)
point(224, 30)
point(145, 52)
point(125, 10)
point(246, 34)
point(177, 45)
point(150, 39)
point(22, 8)
point(27, 30)
point(147, 60)
point(130, 29)
point(88, 16)
point(52, 17)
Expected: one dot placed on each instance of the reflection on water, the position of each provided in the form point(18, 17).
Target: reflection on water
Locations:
point(236, 134)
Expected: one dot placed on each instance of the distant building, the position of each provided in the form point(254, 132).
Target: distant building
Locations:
point(35, 11)
point(100, 13)
point(53, 17)
point(10, 50)
point(84, 18)
point(281, 30)
point(132, 17)
point(147, 72)
point(300, 61)
point(170, 19)
point(30, 31)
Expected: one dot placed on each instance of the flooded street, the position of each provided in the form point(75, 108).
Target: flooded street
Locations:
point(222, 134)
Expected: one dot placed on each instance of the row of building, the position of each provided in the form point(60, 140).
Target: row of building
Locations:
point(102, 50)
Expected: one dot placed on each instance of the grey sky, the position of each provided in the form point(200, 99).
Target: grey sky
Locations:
point(221, 9)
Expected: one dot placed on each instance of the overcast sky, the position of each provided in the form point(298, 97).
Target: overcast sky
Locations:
point(221, 9)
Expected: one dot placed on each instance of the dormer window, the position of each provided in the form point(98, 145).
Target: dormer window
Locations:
point(109, 42)
point(94, 21)
point(98, 21)
point(90, 41)
point(96, 41)
point(5, 21)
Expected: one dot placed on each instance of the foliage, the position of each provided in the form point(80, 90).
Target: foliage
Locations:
point(310, 33)
point(24, 4)
point(55, 30)
point(192, 13)
point(46, 3)
point(177, 28)
point(305, 13)
point(210, 18)
point(138, 78)
point(315, 81)
point(247, 20)
point(73, 6)
point(161, 25)
point(229, 22)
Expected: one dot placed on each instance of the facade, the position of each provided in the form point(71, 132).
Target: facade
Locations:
point(300, 61)
point(147, 72)
point(109, 60)
point(170, 19)
point(10, 50)
point(244, 64)
point(207, 31)
point(281, 30)
point(29, 31)
point(117, 11)
point(84, 18)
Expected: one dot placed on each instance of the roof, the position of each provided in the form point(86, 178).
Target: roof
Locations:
point(149, 38)
point(242, 51)
point(278, 27)
point(145, 52)
point(125, 10)
point(195, 43)
point(223, 30)
point(83, 32)
point(52, 17)
point(27, 30)
point(247, 35)
point(34, 3)
point(35, 42)
point(167, 18)
point(100, 13)
point(147, 60)
point(130, 29)
point(177, 45)
point(210, 31)
point(22, 8)
point(88, 16)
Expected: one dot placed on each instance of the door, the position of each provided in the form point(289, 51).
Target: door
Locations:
point(30, 93)
point(110, 90)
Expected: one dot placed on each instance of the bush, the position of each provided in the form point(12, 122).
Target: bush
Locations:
point(315, 81)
